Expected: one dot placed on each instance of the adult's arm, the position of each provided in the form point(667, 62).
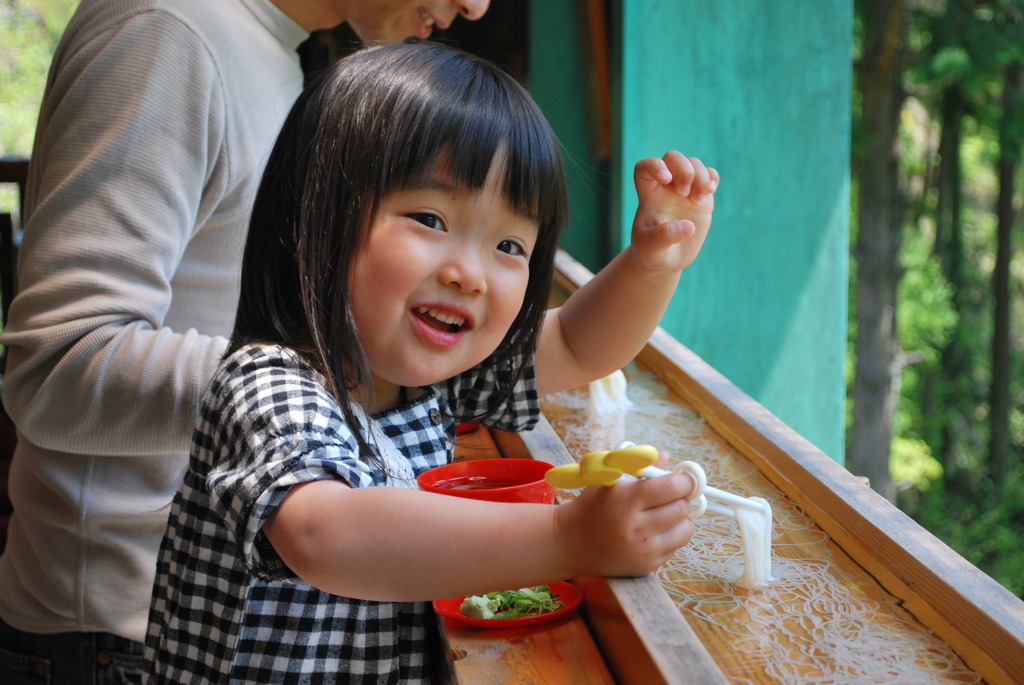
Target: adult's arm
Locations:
point(127, 165)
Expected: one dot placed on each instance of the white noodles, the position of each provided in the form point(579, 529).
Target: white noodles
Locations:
point(815, 622)
point(755, 533)
point(607, 403)
point(608, 395)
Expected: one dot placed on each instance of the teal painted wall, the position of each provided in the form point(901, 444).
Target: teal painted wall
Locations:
point(557, 83)
point(761, 91)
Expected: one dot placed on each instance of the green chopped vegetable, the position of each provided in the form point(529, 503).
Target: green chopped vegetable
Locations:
point(527, 601)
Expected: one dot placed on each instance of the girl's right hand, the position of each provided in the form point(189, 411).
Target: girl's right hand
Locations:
point(676, 196)
point(628, 529)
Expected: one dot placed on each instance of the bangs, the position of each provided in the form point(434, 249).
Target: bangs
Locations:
point(459, 115)
point(470, 142)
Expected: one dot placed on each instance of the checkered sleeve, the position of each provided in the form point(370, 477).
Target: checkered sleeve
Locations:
point(280, 428)
point(471, 393)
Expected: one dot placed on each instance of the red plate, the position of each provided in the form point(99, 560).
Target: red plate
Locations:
point(567, 592)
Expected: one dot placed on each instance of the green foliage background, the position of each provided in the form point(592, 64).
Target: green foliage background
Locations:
point(29, 31)
point(940, 460)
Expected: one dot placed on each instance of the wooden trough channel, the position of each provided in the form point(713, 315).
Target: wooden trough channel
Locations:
point(862, 593)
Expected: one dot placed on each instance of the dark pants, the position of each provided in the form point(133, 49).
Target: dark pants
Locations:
point(68, 658)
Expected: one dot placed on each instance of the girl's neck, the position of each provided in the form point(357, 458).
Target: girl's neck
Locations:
point(389, 397)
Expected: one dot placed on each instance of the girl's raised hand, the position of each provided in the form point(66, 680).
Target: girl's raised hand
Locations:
point(628, 529)
point(676, 196)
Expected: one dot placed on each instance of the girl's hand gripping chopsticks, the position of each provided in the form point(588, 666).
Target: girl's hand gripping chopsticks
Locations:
point(629, 460)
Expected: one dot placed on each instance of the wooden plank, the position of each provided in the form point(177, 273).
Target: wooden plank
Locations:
point(976, 616)
point(541, 443)
point(560, 652)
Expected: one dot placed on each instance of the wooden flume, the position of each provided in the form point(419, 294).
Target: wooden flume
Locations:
point(941, 619)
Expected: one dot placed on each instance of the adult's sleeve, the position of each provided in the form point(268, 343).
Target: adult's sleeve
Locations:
point(128, 163)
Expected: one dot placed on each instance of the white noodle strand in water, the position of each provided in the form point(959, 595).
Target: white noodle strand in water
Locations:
point(608, 395)
point(756, 532)
point(607, 404)
point(815, 622)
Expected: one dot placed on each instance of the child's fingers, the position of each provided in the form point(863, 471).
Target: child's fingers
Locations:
point(672, 488)
point(701, 178)
point(668, 514)
point(683, 170)
point(694, 178)
point(676, 533)
point(675, 537)
point(663, 456)
point(670, 523)
point(687, 176)
point(715, 178)
point(662, 459)
point(650, 173)
point(676, 231)
point(690, 175)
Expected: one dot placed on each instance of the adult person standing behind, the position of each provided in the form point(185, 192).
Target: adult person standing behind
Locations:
point(156, 122)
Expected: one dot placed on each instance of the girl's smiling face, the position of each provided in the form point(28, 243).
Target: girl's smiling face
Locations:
point(439, 282)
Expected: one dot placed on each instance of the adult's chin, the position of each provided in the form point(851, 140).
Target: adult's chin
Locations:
point(377, 35)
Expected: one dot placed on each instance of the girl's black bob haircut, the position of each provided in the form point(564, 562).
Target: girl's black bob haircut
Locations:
point(385, 119)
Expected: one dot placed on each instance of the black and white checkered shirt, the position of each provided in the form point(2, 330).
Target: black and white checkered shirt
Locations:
point(225, 607)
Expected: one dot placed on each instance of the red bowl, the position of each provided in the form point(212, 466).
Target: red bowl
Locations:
point(496, 480)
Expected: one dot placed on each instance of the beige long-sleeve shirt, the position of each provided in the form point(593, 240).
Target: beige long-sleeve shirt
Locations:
point(158, 117)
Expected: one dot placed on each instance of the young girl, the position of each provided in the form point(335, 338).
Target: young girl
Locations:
point(395, 282)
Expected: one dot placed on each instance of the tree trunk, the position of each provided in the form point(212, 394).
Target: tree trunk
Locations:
point(950, 251)
point(999, 392)
point(881, 204)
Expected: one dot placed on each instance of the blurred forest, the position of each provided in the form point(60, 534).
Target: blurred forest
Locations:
point(936, 325)
point(937, 288)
